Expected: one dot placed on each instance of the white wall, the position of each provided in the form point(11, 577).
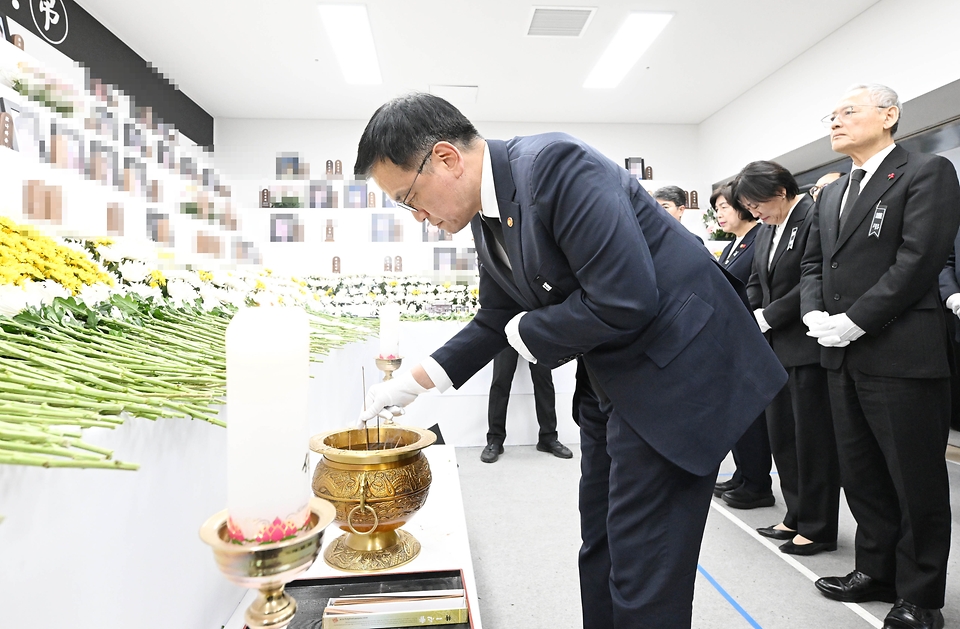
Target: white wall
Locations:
point(910, 45)
point(246, 148)
point(246, 152)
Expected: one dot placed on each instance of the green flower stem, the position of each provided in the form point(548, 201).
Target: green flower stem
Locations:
point(14, 458)
point(186, 345)
point(47, 449)
point(190, 331)
point(83, 445)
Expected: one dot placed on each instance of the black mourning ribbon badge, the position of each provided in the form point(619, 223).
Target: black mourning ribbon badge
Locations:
point(877, 223)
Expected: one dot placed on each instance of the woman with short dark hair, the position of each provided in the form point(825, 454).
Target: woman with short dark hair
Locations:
point(749, 487)
point(799, 419)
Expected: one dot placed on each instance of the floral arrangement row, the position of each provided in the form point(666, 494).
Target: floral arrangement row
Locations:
point(91, 335)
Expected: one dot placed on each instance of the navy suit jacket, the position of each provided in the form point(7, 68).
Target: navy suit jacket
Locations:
point(739, 262)
point(882, 268)
point(602, 271)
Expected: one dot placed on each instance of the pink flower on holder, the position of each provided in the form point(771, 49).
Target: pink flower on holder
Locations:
point(277, 531)
point(387, 357)
point(234, 532)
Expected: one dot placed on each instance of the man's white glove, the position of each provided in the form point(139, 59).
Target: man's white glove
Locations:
point(836, 331)
point(512, 330)
point(758, 315)
point(814, 318)
point(953, 303)
point(400, 391)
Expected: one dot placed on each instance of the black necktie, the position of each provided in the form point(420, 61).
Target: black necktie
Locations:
point(855, 178)
point(497, 230)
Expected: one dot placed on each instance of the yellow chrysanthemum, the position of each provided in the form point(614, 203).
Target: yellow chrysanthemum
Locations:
point(26, 255)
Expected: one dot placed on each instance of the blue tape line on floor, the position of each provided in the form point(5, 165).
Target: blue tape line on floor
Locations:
point(724, 594)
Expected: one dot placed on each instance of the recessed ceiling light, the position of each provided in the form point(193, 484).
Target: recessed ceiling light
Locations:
point(636, 34)
point(348, 28)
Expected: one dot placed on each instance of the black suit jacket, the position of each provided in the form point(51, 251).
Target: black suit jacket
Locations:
point(739, 261)
point(882, 268)
point(777, 290)
point(949, 285)
point(604, 272)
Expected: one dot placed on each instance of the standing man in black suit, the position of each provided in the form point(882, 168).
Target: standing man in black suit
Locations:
point(544, 397)
point(749, 487)
point(799, 420)
point(950, 293)
point(869, 294)
point(576, 259)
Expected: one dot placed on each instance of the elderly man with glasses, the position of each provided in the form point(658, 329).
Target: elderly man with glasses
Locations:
point(870, 295)
point(576, 259)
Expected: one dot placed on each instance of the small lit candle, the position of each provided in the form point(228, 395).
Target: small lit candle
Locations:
point(390, 331)
point(268, 372)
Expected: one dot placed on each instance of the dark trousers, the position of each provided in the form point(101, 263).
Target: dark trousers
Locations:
point(544, 396)
point(641, 522)
point(891, 436)
point(800, 424)
point(751, 453)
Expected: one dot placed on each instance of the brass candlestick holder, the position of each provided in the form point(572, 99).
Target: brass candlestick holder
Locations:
point(268, 567)
point(388, 366)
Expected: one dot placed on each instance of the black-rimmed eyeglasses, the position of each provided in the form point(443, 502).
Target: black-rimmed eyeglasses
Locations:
point(403, 204)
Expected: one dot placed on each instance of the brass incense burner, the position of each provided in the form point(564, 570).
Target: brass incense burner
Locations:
point(376, 478)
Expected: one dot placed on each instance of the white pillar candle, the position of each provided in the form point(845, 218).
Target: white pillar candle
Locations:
point(390, 330)
point(268, 476)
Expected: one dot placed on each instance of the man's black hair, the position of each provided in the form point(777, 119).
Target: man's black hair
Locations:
point(674, 194)
point(404, 129)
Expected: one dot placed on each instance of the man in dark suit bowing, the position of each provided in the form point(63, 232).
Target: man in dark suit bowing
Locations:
point(869, 294)
point(576, 259)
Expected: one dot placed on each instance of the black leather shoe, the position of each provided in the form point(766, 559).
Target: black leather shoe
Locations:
point(856, 587)
point(906, 615)
point(743, 498)
point(774, 533)
point(720, 488)
point(491, 453)
point(807, 549)
point(556, 449)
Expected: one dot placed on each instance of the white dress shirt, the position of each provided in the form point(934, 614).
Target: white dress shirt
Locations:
point(869, 167)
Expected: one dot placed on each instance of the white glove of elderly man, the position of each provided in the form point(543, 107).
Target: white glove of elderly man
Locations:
point(953, 303)
point(832, 330)
point(399, 391)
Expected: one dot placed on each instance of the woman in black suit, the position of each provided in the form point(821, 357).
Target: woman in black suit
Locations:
point(799, 419)
point(749, 487)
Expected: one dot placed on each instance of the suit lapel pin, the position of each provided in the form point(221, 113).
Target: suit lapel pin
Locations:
point(509, 221)
point(891, 175)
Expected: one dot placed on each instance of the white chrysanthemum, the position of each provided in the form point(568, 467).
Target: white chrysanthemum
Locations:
point(13, 299)
point(146, 291)
point(181, 292)
point(48, 290)
point(134, 271)
point(94, 294)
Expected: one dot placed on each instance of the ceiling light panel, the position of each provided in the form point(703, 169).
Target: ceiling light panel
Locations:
point(635, 36)
point(348, 29)
point(559, 21)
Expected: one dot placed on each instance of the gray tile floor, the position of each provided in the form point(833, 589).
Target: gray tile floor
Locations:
point(524, 534)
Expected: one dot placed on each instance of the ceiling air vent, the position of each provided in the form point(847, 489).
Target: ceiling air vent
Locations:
point(559, 21)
